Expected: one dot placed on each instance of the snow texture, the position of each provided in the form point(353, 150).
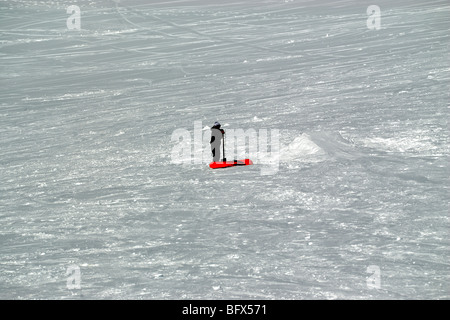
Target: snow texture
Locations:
point(86, 177)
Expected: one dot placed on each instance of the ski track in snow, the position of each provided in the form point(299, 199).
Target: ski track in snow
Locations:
point(86, 119)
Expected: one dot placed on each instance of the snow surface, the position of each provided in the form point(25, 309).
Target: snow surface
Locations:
point(86, 177)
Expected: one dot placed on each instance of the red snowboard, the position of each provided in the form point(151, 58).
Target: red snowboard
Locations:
point(217, 165)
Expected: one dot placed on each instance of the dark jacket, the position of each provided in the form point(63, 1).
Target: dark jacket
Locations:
point(213, 138)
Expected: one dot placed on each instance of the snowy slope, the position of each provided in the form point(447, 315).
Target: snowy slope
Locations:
point(86, 177)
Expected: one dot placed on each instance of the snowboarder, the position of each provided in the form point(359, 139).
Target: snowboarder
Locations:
point(217, 135)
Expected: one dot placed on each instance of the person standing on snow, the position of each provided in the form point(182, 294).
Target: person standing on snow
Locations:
point(217, 135)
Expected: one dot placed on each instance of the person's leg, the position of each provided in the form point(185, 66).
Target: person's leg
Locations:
point(215, 145)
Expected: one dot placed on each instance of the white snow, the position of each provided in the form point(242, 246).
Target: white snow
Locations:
point(86, 177)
